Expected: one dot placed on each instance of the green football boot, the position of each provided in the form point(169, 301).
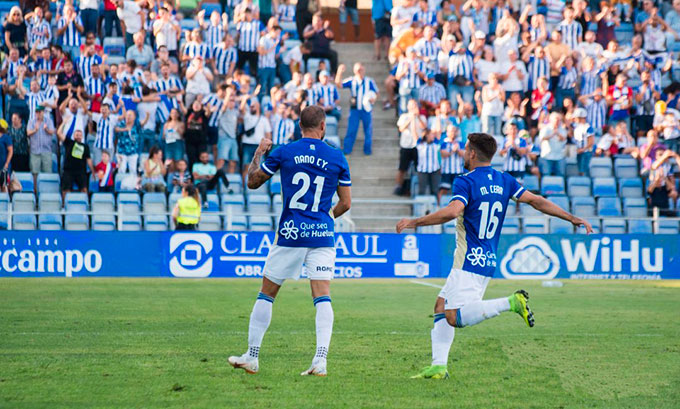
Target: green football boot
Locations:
point(433, 372)
point(518, 304)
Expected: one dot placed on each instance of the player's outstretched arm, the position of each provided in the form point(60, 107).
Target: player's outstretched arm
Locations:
point(543, 205)
point(256, 176)
point(441, 216)
point(345, 202)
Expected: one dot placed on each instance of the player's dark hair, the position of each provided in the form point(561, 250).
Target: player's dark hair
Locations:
point(311, 117)
point(484, 145)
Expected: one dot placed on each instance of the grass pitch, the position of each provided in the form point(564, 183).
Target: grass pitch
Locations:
point(120, 343)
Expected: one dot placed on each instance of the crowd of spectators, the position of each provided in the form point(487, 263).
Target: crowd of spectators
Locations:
point(177, 106)
point(548, 78)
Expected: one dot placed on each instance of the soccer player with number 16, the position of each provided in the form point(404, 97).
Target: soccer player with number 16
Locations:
point(479, 203)
point(311, 173)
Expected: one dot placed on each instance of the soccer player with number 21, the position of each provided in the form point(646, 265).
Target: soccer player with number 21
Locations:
point(311, 173)
point(479, 202)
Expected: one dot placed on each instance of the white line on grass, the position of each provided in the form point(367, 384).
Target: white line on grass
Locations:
point(426, 284)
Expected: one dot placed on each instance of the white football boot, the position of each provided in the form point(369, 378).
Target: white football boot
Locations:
point(318, 368)
point(245, 362)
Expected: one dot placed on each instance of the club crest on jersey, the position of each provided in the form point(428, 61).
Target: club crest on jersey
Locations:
point(289, 231)
point(489, 176)
point(312, 147)
point(477, 257)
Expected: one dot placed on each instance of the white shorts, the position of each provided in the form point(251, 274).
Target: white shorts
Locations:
point(463, 287)
point(284, 263)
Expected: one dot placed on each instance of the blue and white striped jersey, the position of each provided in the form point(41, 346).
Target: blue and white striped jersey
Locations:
point(453, 165)
point(39, 33)
point(12, 68)
point(590, 81)
point(213, 101)
point(596, 113)
point(358, 88)
point(286, 12)
point(582, 132)
point(249, 35)
point(412, 68)
point(194, 49)
point(41, 65)
point(71, 36)
point(95, 86)
point(485, 193)
point(137, 77)
point(105, 130)
point(50, 94)
point(426, 18)
point(213, 35)
point(311, 172)
point(461, 65)
point(572, 33)
point(224, 58)
point(33, 99)
point(328, 93)
point(537, 67)
point(84, 64)
point(165, 105)
point(432, 94)
point(511, 164)
point(267, 60)
point(282, 130)
point(429, 156)
point(568, 78)
point(429, 50)
point(163, 85)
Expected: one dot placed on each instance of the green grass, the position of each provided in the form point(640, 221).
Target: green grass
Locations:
point(118, 343)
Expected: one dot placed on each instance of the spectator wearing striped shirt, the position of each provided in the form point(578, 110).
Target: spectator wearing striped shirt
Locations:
point(596, 110)
point(215, 29)
point(431, 94)
point(326, 94)
point(572, 31)
point(429, 164)
point(70, 28)
point(286, 11)
point(195, 47)
point(461, 75)
point(428, 48)
point(39, 30)
point(452, 151)
point(283, 126)
point(410, 74)
point(364, 93)
point(567, 80)
point(425, 16)
point(515, 151)
point(584, 137)
point(106, 129)
point(538, 65)
point(34, 98)
point(266, 66)
point(224, 59)
point(214, 104)
point(249, 31)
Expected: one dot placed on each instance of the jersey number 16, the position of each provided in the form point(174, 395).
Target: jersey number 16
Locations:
point(488, 223)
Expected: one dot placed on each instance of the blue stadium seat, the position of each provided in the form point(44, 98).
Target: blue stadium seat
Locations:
point(213, 203)
point(129, 202)
point(613, 226)
point(552, 185)
point(290, 28)
point(594, 222)
point(277, 204)
point(262, 190)
point(210, 222)
point(559, 226)
point(579, 186)
point(639, 226)
point(172, 200)
point(155, 222)
point(154, 203)
point(259, 204)
point(424, 204)
point(601, 167)
point(76, 202)
point(261, 223)
point(630, 187)
point(235, 183)
point(235, 203)
point(510, 225)
point(188, 24)
point(625, 167)
point(49, 202)
point(103, 203)
point(609, 206)
point(275, 184)
point(526, 209)
point(535, 225)
point(26, 180)
point(583, 206)
point(331, 126)
point(76, 222)
point(131, 223)
point(23, 202)
point(23, 222)
point(238, 223)
point(667, 226)
point(103, 222)
point(604, 187)
point(561, 201)
point(114, 46)
point(4, 208)
point(49, 222)
point(48, 183)
point(530, 183)
point(635, 207)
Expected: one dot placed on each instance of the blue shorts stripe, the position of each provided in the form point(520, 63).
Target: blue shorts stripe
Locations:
point(323, 298)
point(265, 297)
point(438, 317)
point(459, 321)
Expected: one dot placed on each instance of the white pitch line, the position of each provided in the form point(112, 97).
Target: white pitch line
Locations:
point(426, 284)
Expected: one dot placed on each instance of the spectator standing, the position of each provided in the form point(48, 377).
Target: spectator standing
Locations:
point(173, 137)
point(206, 176)
point(349, 7)
point(17, 131)
point(515, 151)
point(127, 142)
point(6, 151)
point(255, 127)
point(553, 140)
point(106, 131)
point(452, 151)
point(198, 78)
point(321, 36)
point(131, 19)
point(195, 131)
point(326, 94)
point(15, 30)
point(39, 30)
point(166, 31)
point(187, 211)
point(429, 164)
point(77, 161)
point(249, 31)
point(111, 19)
point(266, 66)
point(469, 121)
point(584, 136)
point(461, 75)
point(412, 126)
point(304, 10)
point(661, 185)
point(493, 98)
point(89, 12)
point(381, 13)
point(105, 171)
point(70, 28)
point(41, 134)
point(364, 93)
point(227, 146)
point(153, 179)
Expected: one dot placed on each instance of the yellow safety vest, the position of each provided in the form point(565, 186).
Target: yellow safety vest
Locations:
point(189, 211)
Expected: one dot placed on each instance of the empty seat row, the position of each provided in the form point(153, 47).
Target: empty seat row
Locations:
point(542, 225)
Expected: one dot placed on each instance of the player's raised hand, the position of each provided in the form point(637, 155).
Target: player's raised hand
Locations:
point(577, 221)
point(405, 224)
point(265, 145)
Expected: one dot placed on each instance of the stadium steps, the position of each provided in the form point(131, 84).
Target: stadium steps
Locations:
point(372, 176)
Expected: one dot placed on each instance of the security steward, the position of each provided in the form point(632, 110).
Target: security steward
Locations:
point(187, 211)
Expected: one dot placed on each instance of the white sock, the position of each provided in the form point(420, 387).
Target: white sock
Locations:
point(442, 338)
point(478, 311)
point(259, 322)
point(324, 326)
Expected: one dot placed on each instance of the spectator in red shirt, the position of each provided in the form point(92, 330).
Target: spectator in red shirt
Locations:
point(105, 171)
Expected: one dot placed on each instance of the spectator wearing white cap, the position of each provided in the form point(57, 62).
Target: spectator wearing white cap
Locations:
point(584, 136)
point(431, 93)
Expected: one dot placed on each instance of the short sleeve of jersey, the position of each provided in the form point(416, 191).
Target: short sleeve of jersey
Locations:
point(516, 190)
point(344, 178)
point(461, 190)
point(273, 162)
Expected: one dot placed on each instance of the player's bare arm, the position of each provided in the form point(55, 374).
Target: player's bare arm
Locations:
point(441, 216)
point(256, 176)
point(543, 205)
point(345, 202)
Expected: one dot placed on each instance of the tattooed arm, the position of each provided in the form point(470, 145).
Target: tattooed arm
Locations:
point(256, 176)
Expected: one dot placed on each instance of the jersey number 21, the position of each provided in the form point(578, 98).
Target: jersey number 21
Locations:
point(303, 178)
